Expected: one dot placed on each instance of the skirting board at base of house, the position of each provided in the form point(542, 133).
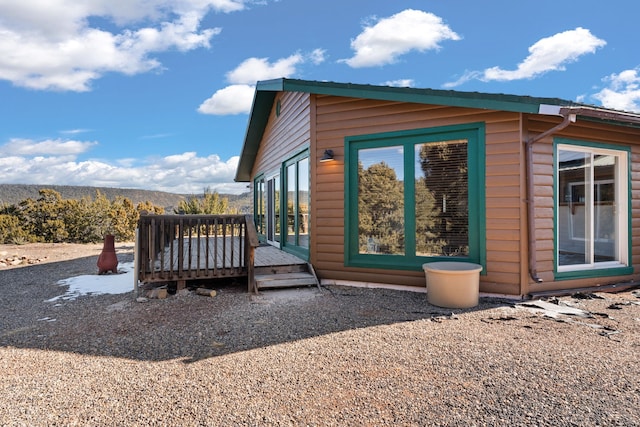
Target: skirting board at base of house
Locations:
point(330, 282)
point(612, 288)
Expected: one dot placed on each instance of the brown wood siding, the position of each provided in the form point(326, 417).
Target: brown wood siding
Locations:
point(635, 206)
point(337, 118)
point(284, 135)
point(322, 122)
point(544, 194)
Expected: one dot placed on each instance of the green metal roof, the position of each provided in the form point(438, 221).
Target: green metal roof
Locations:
point(266, 92)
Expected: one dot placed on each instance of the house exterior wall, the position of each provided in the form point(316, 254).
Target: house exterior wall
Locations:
point(543, 168)
point(286, 133)
point(321, 122)
point(338, 117)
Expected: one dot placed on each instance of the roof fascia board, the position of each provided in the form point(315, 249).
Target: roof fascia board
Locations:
point(487, 101)
point(262, 103)
point(266, 91)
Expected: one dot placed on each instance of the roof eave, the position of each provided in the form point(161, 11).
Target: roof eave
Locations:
point(266, 92)
point(262, 103)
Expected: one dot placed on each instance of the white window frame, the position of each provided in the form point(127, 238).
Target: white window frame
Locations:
point(621, 208)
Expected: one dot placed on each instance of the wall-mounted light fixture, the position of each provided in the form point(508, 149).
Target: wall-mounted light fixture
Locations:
point(327, 156)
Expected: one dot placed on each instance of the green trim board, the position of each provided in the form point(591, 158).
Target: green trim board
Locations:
point(603, 271)
point(516, 103)
point(598, 272)
point(262, 103)
point(474, 134)
point(257, 206)
point(266, 92)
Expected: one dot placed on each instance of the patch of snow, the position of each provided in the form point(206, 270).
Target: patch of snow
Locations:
point(95, 284)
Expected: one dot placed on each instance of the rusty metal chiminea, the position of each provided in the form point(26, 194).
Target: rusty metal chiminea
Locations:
point(108, 261)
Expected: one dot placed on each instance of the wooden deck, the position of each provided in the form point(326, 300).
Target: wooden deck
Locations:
point(178, 248)
point(202, 253)
point(269, 256)
point(219, 253)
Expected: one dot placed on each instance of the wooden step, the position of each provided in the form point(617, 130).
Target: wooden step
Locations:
point(285, 280)
point(280, 269)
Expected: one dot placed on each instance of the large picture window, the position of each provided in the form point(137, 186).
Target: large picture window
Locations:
point(592, 208)
point(415, 196)
point(442, 199)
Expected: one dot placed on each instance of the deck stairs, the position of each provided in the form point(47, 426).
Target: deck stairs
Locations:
point(283, 270)
point(285, 276)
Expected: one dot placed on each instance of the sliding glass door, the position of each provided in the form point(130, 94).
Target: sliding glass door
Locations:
point(296, 176)
point(591, 208)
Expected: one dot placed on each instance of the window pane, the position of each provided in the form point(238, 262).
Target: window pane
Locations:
point(573, 177)
point(604, 216)
point(269, 210)
point(303, 203)
point(291, 204)
point(276, 207)
point(260, 198)
point(381, 200)
point(442, 199)
point(271, 206)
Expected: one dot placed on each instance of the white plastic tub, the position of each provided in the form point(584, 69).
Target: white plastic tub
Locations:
point(452, 284)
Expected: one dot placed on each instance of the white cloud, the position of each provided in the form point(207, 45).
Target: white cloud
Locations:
point(388, 38)
point(550, 54)
point(400, 83)
point(547, 54)
point(254, 69)
point(234, 99)
point(74, 131)
point(318, 56)
point(623, 92)
point(52, 46)
point(56, 162)
point(157, 136)
point(18, 147)
point(466, 76)
point(238, 96)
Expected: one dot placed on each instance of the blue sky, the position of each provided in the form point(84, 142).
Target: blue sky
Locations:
point(155, 94)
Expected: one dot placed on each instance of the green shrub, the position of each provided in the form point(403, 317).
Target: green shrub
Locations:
point(53, 219)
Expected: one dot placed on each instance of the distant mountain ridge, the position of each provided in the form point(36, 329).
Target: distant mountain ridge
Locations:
point(15, 193)
point(12, 194)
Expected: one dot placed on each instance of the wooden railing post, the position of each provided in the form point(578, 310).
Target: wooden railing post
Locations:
point(251, 244)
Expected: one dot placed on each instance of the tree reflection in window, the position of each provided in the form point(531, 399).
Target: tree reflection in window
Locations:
point(381, 201)
point(441, 193)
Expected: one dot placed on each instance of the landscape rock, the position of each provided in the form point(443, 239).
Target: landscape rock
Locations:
point(16, 260)
point(157, 293)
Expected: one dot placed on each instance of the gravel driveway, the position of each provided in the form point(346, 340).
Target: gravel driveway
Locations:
point(331, 356)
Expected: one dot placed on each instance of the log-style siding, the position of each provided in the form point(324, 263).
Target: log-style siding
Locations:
point(337, 118)
point(321, 122)
point(286, 134)
point(543, 167)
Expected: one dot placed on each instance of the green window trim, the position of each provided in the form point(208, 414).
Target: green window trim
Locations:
point(474, 133)
point(294, 248)
point(597, 272)
point(260, 205)
point(259, 210)
point(606, 271)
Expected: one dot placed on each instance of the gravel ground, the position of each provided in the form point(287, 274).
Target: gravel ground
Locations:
point(331, 356)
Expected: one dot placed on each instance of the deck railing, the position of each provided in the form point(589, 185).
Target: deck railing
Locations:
point(188, 247)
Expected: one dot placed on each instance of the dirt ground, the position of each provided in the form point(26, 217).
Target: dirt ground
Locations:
point(16, 256)
point(328, 356)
